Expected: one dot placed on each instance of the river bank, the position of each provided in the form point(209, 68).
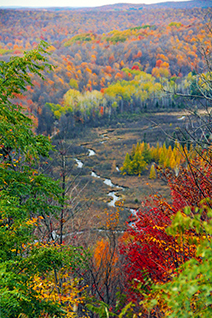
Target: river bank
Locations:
point(100, 154)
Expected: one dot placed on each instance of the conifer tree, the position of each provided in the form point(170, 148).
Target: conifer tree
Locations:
point(172, 161)
point(126, 165)
point(138, 163)
point(146, 153)
point(162, 157)
point(157, 154)
point(152, 174)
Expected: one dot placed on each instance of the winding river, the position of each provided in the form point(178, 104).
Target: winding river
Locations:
point(106, 181)
point(79, 163)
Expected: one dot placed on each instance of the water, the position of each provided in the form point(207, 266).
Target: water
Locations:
point(115, 198)
point(108, 182)
point(104, 136)
point(132, 224)
point(79, 163)
point(133, 211)
point(181, 118)
point(93, 174)
point(91, 152)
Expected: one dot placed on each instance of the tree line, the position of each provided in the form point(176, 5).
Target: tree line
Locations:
point(90, 57)
point(163, 255)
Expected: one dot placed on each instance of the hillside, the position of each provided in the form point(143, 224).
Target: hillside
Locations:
point(129, 6)
point(106, 161)
point(106, 54)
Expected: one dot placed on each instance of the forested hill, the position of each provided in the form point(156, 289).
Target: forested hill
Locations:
point(108, 62)
point(141, 6)
point(80, 90)
point(131, 6)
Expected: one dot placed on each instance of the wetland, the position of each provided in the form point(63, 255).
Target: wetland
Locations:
point(98, 156)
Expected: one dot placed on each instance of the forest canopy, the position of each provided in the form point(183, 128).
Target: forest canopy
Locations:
point(125, 55)
point(60, 257)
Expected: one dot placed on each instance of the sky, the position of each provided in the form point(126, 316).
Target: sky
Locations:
point(71, 3)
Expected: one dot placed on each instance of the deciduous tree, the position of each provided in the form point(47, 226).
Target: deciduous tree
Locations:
point(26, 197)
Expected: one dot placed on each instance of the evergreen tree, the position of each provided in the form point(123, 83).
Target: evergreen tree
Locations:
point(162, 157)
point(152, 174)
point(127, 165)
point(138, 164)
point(172, 161)
point(146, 153)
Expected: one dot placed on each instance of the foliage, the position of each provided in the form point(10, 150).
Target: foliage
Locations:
point(152, 174)
point(111, 67)
point(80, 38)
point(150, 250)
point(188, 294)
point(103, 310)
point(95, 55)
point(151, 256)
point(137, 161)
point(104, 276)
point(142, 154)
point(27, 198)
point(66, 293)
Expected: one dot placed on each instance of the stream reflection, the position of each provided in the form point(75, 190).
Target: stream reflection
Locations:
point(79, 163)
point(106, 181)
point(91, 152)
point(93, 174)
point(115, 198)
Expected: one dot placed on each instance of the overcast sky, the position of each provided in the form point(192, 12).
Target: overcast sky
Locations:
point(70, 3)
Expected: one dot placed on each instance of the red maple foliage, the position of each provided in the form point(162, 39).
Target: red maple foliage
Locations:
point(148, 250)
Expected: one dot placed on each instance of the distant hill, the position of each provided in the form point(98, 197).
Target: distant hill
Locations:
point(114, 54)
point(165, 5)
point(130, 6)
point(183, 4)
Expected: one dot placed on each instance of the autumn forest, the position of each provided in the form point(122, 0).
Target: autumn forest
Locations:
point(98, 103)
